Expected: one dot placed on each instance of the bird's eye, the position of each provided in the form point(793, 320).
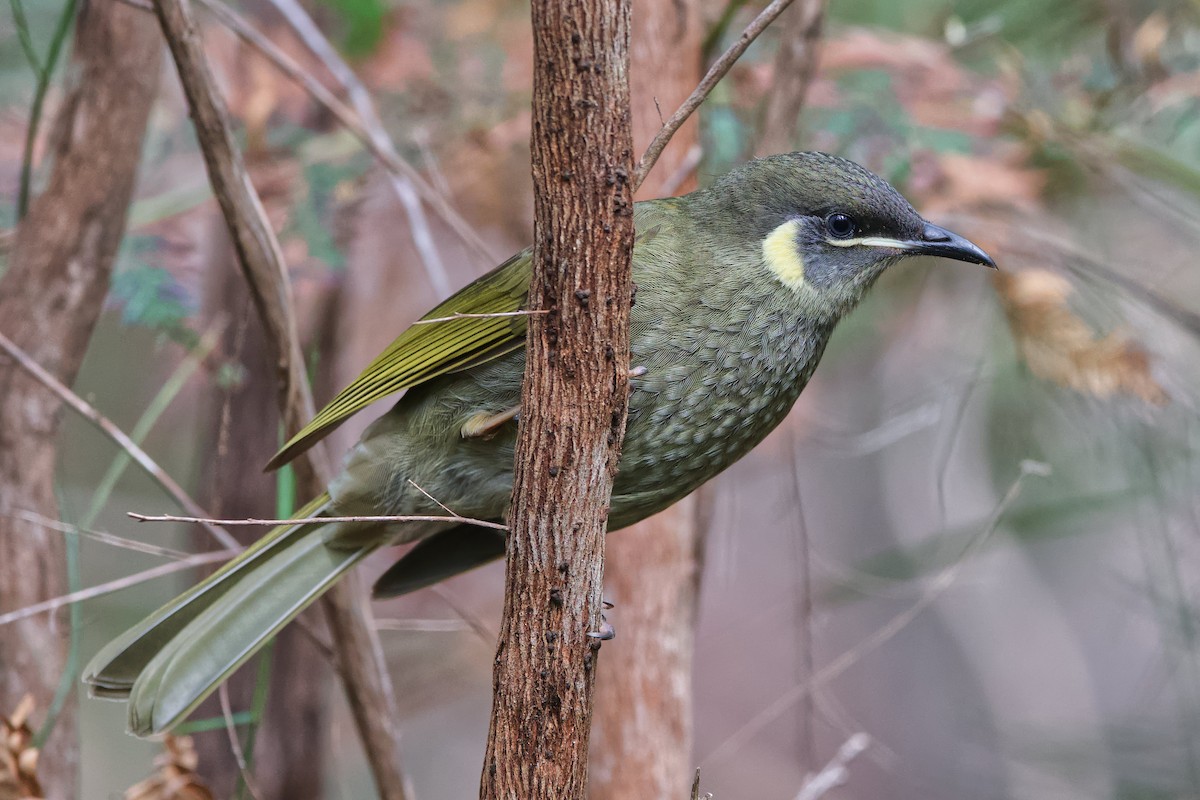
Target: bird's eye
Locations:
point(840, 226)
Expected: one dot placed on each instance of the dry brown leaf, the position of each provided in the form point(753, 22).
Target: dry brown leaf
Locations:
point(18, 756)
point(1060, 347)
point(1001, 179)
point(176, 778)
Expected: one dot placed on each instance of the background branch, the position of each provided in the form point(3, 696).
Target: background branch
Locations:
point(366, 681)
point(709, 82)
point(51, 295)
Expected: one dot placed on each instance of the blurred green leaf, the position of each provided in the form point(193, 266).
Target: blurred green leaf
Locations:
point(151, 297)
point(362, 24)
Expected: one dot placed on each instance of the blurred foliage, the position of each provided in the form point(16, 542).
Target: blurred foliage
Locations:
point(361, 23)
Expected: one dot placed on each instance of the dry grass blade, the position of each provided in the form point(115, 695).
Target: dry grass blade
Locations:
point(18, 756)
point(482, 523)
point(933, 590)
point(1060, 347)
point(117, 585)
point(176, 778)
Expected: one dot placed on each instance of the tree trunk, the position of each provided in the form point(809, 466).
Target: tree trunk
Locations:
point(291, 738)
point(652, 569)
point(573, 403)
point(50, 299)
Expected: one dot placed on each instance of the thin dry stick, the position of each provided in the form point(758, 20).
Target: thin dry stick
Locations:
point(476, 624)
point(368, 686)
point(837, 770)
point(88, 412)
point(422, 625)
point(939, 585)
point(102, 537)
point(235, 744)
point(196, 560)
point(717, 71)
point(306, 520)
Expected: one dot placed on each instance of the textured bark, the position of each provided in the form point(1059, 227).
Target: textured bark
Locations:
point(573, 403)
point(652, 569)
point(291, 741)
point(50, 299)
point(367, 685)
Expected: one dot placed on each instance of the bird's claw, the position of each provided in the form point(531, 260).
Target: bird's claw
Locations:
point(607, 631)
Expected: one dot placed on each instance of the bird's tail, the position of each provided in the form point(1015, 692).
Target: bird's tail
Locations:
point(167, 664)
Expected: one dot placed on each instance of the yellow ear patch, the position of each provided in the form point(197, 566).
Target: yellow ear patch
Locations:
point(782, 257)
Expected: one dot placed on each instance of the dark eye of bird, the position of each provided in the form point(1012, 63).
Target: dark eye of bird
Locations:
point(840, 226)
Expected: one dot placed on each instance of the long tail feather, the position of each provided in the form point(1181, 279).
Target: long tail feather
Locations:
point(233, 627)
point(111, 674)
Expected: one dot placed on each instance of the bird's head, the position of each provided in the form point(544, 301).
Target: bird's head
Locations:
point(827, 228)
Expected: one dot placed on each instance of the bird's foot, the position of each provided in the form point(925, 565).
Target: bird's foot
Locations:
point(607, 631)
point(483, 425)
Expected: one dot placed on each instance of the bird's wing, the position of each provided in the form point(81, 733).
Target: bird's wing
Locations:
point(426, 351)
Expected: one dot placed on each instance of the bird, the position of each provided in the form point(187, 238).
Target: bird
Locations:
point(739, 286)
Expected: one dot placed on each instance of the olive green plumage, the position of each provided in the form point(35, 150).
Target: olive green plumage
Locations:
point(739, 288)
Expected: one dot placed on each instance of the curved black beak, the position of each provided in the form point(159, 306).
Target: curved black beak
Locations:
point(937, 241)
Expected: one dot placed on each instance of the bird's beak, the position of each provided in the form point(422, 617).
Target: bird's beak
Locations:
point(937, 241)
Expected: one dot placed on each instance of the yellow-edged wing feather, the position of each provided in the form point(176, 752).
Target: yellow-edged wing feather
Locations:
point(426, 351)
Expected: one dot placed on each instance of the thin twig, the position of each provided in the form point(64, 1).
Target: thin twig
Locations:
point(476, 624)
point(835, 773)
point(235, 744)
point(422, 625)
point(360, 659)
point(715, 73)
point(687, 165)
point(102, 537)
point(321, 520)
point(452, 317)
point(834, 669)
point(199, 559)
point(437, 502)
point(88, 412)
point(171, 387)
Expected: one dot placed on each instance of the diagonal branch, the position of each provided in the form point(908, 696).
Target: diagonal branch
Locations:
point(366, 681)
point(109, 429)
point(714, 75)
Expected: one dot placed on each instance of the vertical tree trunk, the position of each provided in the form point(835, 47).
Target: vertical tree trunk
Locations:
point(50, 299)
point(291, 741)
point(652, 569)
point(573, 404)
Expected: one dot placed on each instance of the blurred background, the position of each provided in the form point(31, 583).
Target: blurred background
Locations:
point(975, 538)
